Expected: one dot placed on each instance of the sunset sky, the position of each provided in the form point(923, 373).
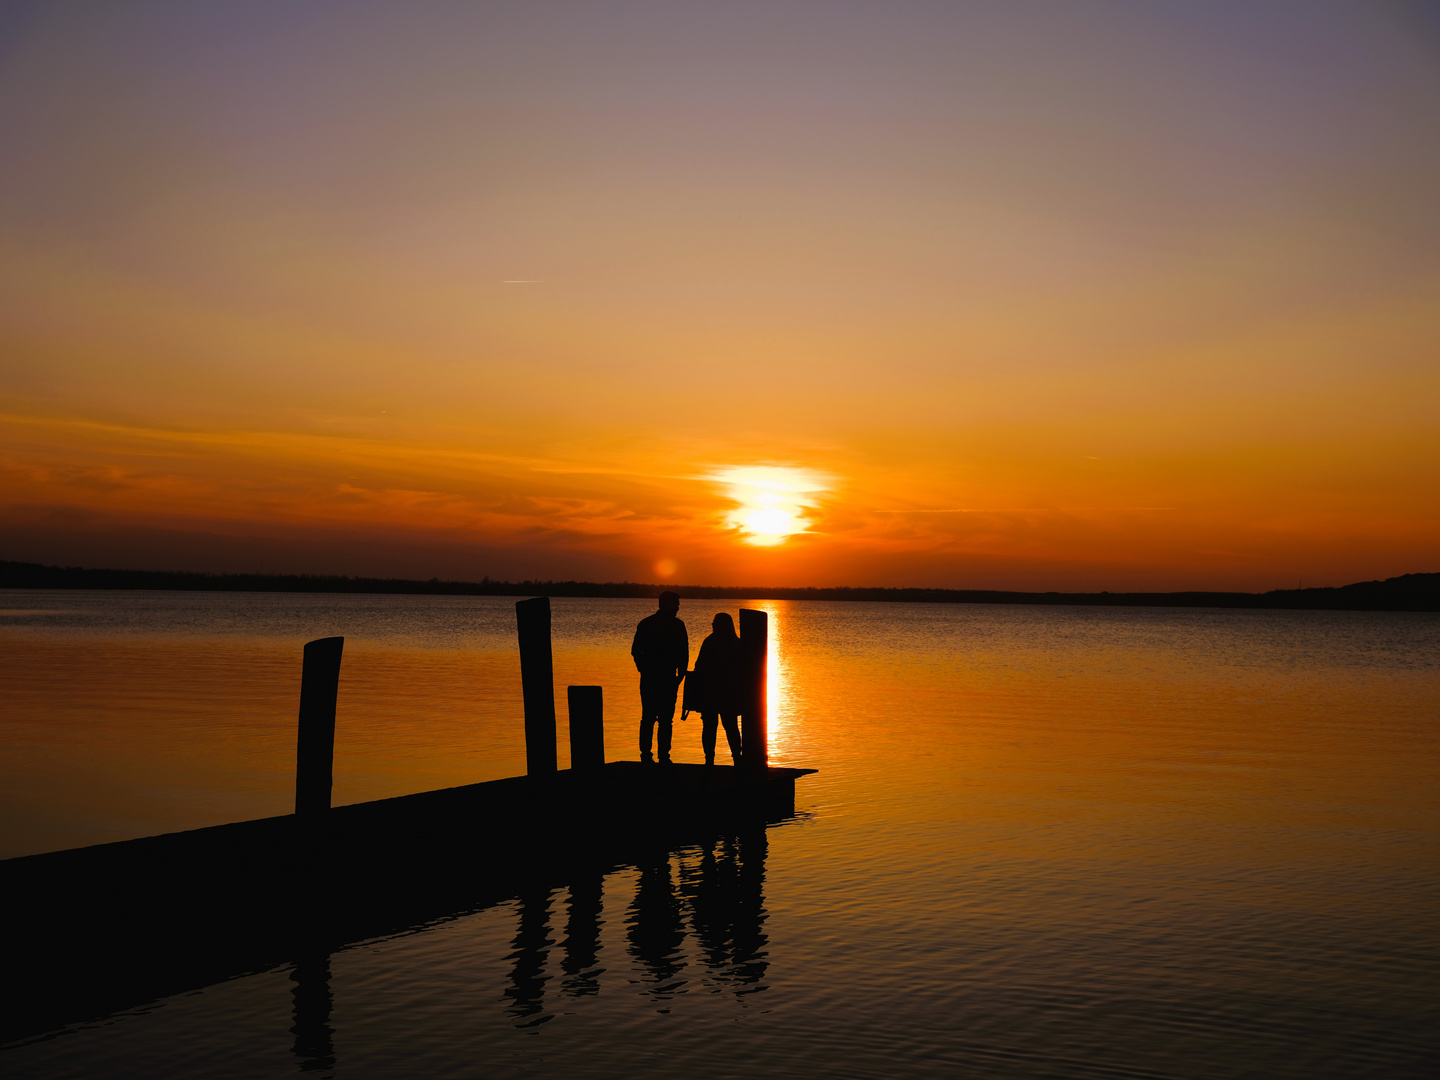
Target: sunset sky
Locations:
point(1027, 295)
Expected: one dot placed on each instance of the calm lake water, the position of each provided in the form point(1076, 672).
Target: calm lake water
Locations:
point(1043, 842)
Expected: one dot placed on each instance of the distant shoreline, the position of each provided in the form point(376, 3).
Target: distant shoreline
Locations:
point(1410, 592)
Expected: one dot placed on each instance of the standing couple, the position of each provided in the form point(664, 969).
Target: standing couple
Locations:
point(662, 654)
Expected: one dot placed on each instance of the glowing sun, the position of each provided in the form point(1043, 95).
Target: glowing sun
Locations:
point(772, 500)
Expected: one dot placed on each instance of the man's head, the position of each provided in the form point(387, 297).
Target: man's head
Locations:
point(669, 602)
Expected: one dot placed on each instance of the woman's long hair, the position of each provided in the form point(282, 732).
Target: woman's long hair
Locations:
point(724, 626)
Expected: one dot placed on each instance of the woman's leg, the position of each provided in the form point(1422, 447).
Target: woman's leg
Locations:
point(732, 736)
point(708, 722)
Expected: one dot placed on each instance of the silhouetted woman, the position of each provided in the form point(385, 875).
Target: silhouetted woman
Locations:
point(713, 689)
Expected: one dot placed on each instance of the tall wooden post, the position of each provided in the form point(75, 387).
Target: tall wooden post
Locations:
point(315, 749)
point(754, 651)
point(587, 727)
point(537, 682)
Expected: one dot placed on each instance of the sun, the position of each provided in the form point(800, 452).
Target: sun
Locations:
point(772, 500)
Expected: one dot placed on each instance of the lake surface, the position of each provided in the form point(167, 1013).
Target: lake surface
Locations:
point(1043, 842)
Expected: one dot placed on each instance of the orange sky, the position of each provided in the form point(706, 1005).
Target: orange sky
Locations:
point(1031, 296)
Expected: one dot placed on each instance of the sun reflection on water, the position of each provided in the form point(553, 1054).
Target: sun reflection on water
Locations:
point(778, 693)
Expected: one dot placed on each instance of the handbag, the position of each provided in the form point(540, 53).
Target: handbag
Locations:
point(692, 697)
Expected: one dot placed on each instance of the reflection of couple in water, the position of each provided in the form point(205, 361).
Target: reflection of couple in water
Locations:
point(662, 655)
point(719, 892)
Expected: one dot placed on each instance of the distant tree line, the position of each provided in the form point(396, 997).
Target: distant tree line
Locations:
point(1409, 592)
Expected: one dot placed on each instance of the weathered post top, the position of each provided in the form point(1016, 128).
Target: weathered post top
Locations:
point(754, 725)
point(537, 683)
point(315, 747)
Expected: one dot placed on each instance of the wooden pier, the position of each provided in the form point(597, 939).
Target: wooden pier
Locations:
point(96, 929)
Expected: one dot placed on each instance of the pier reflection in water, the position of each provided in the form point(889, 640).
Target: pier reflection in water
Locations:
point(695, 921)
point(697, 915)
point(683, 923)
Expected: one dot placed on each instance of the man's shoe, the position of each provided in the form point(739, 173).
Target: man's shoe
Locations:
point(666, 760)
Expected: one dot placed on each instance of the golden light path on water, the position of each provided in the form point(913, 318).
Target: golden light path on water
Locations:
point(778, 691)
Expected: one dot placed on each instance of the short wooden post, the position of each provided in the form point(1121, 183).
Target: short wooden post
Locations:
point(754, 651)
point(587, 727)
point(537, 683)
point(315, 749)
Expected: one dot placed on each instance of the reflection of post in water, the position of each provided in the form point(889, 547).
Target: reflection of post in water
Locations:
point(532, 943)
point(726, 896)
point(656, 930)
point(582, 934)
point(314, 1041)
point(750, 939)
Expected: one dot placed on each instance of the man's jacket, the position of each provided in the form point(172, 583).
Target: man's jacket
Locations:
point(661, 645)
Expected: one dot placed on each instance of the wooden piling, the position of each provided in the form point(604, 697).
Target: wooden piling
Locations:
point(315, 747)
point(754, 652)
point(537, 683)
point(587, 727)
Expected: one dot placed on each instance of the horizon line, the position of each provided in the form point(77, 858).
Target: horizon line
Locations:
point(1415, 591)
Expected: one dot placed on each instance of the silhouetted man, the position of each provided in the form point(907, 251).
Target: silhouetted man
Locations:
point(662, 654)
